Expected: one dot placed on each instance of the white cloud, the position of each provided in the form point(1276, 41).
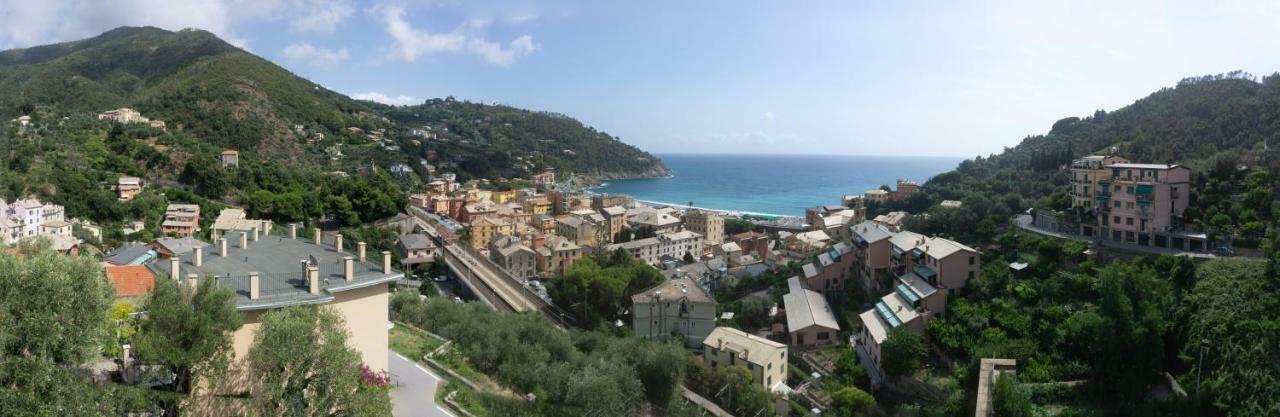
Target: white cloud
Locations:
point(49, 21)
point(768, 116)
point(400, 100)
point(325, 16)
point(408, 43)
point(326, 59)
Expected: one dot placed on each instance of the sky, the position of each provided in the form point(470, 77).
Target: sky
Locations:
point(818, 77)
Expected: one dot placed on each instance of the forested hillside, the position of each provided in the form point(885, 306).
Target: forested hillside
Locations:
point(1223, 127)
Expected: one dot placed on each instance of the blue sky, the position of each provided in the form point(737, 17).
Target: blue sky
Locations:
point(871, 78)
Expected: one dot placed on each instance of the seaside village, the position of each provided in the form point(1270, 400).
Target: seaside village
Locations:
point(711, 260)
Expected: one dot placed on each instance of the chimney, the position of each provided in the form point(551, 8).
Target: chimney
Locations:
point(360, 250)
point(293, 230)
point(313, 279)
point(244, 240)
point(316, 232)
point(174, 268)
point(348, 268)
point(386, 262)
point(222, 247)
point(193, 281)
point(198, 255)
point(255, 234)
point(337, 242)
point(255, 285)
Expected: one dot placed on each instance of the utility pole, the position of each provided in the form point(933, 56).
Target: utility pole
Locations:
point(1204, 344)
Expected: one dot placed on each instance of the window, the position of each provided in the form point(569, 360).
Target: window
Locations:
point(1128, 221)
point(824, 336)
point(770, 367)
point(970, 274)
point(1116, 220)
point(1117, 204)
point(1128, 190)
point(971, 260)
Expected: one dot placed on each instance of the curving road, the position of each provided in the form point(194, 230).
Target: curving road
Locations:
point(414, 394)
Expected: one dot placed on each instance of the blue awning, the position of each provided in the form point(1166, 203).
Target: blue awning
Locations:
point(925, 273)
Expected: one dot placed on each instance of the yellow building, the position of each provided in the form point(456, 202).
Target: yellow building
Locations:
point(485, 228)
point(764, 358)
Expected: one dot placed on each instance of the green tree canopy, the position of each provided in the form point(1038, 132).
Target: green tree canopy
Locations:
point(903, 352)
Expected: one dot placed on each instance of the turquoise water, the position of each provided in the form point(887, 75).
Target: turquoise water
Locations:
point(783, 185)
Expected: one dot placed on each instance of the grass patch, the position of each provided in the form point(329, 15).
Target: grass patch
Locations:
point(411, 343)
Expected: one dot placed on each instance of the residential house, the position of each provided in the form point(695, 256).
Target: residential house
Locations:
point(807, 242)
point(894, 220)
point(1142, 204)
point(616, 216)
point(709, 224)
point(878, 196)
point(753, 242)
point(946, 264)
point(556, 254)
point(643, 250)
point(871, 253)
point(230, 158)
point(181, 219)
point(906, 189)
point(166, 248)
point(130, 281)
point(123, 115)
point(731, 252)
point(483, 230)
point(415, 249)
point(951, 204)
point(514, 256)
point(478, 209)
point(544, 179)
point(676, 244)
point(1085, 174)
point(128, 187)
point(576, 229)
point(655, 221)
point(234, 219)
point(810, 320)
point(537, 205)
point(765, 359)
point(677, 306)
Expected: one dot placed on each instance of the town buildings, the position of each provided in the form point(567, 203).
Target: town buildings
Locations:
point(230, 158)
point(675, 245)
point(764, 358)
point(678, 307)
point(123, 115)
point(643, 250)
point(709, 224)
point(616, 216)
point(655, 221)
point(128, 187)
point(556, 254)
point(181, 219)
point(485, 228)
point(234, 219)
point(130, 281)
point(905, 189)
point(1085, 174)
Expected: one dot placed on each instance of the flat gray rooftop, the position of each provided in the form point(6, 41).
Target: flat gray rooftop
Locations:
point(279, 262)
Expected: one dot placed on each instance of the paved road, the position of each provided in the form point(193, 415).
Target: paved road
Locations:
point(415, 392)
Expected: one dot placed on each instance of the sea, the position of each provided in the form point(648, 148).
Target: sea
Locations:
point(779, 185)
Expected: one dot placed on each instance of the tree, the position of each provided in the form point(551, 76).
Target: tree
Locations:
point(1133, 306)
point(654, 366)
point(187, 331)
point(849, 400)
point(1010, 400)
point(904, 352)
point(53, 318)
point(300, 365)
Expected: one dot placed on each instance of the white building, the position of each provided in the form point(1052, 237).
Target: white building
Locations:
point(677, 244)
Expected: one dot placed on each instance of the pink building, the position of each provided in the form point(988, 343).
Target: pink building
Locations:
point(1142, 204)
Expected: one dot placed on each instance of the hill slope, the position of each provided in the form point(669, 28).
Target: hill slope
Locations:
point(1213, 124)
point(223, 96)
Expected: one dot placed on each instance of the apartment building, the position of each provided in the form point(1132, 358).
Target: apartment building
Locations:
point(511, 254)
point(415, 249)
point(708, 224)
point(676, 244)
point(127, 187)
point(1142, 204)
point(234, 219)
point(912, 303)
point(1085, 174)
point(485, 228)
point(556, 254)
point(679, 307)
point(643, 250)
point(616, 216)
point(657, 221)
point(181, 219)
point(123, 115)
point(871, 253)
point(905, 189)
point(577, 229)
point(764, 358)
point(27, 217)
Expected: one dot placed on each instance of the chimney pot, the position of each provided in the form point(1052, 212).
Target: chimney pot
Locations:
point(313, 280)
point(337, 242)
point(360, 247)
point(175, 268)
point(316, 232)
point(244, 240)
point(348, 268)
point(293, 230)
point(222, 247)
point(386, 262)
point(198, 256)
point(193, 281)
point(255, 234)
point(255, 286)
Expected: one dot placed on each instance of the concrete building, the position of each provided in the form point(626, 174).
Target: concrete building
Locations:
point(1085, 174)
point(182, 219)
point(678, 306)
point(234, 219)
point(871, 253)
point(122, 115)
point(906, 189)
point(576, 229)
point(556, 254)
point(877, 196)
point(485, 228)
point(810, 320)
point(270, 274)
point(128, 187)
point(230, 158)
point(676, 244)
point(654, 220)
point(643, 250)
point(1142, 204)
point(514, 256)
point(709, 224)
point(416, 249)
point(27, 217)
point(894, 220)
point(544, 179)
point(764, 358)
point(616, 216)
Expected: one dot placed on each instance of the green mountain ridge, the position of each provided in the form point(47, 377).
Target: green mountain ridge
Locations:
point(223, 96)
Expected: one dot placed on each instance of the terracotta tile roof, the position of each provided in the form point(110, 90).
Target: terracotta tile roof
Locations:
point(130, 280)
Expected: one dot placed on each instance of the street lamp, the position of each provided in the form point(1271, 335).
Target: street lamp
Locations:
point(1204, 345)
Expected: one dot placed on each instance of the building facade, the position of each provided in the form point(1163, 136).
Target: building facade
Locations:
point(675, 307)
point(709, 224)
point(764, 358)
